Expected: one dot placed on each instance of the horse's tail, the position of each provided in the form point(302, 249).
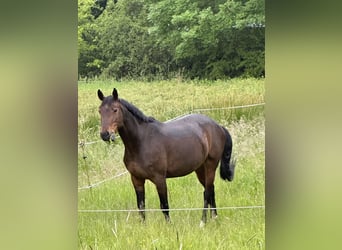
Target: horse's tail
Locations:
point(227, 163)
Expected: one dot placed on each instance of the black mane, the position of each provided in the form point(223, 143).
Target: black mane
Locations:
point(136, 112)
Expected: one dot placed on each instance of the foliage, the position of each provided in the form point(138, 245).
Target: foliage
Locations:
point(127, 47)
point(89, 64)
point(197, 39)
point(212, 41)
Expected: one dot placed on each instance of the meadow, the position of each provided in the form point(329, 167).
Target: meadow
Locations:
point(99, 162)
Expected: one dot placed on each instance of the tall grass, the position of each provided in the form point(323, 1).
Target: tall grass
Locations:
point(233, 229)
point(168, 99)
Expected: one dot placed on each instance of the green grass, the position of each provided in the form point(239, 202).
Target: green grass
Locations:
point(233, 229)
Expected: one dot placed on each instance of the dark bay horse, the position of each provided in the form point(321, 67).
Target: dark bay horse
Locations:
point(158, 150)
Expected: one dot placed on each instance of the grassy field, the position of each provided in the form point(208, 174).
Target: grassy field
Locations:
point(233, 229)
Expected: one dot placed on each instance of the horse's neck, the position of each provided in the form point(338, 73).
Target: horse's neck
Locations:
point(131, 132)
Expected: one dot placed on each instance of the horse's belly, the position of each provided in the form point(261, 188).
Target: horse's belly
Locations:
point(183, 166)
point(186, 157)
point(178, 173)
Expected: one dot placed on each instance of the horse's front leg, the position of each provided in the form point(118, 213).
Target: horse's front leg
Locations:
point(139, 186)
point(162, 192)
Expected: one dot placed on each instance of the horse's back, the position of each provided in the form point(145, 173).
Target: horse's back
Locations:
point(189, 117)
point(190, 140)
point(194, 124)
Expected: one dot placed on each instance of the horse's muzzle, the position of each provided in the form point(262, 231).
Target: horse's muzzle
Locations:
point(106, 136)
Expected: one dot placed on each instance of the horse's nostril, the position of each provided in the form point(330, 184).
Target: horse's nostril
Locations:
point(105, 136)
point(112, 137)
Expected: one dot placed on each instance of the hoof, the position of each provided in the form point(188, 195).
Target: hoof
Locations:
point(214, 215)
point(202, 224)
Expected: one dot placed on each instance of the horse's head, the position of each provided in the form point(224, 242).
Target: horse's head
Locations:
point(111, 115)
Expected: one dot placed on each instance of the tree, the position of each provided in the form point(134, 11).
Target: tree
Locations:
point(125, 42)
point(89, 64)
point(210, 39)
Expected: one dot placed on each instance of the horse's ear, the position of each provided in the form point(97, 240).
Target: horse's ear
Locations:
point(100, 95)
point(115, 94)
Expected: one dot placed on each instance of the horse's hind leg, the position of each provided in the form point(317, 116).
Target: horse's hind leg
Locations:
point(212, 203)
point(209, 199)
point(140, 193)
point(200, 172)
point(206, 175)
point(210, 169)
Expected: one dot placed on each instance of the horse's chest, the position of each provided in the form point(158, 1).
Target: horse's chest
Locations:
point(138, 169)
point(147, 163)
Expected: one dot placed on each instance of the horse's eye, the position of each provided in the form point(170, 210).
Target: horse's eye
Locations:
point(115, 110)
